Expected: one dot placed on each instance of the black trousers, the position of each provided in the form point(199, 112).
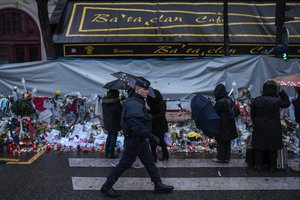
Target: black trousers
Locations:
point(128, 158)
point(223, 150)
point(264, 157)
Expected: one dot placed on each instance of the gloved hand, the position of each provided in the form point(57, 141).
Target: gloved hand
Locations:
point(154, 139)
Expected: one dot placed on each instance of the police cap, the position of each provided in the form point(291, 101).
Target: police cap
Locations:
point(142, 82)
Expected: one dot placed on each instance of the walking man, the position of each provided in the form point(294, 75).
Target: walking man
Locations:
point(136, 126)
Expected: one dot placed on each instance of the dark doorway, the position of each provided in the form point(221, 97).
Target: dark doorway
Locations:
point(19, 37)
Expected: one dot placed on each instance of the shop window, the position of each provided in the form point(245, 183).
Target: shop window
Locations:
point(11, 24)
point(19, 35)
point(4, 55)
point(33, 53)
point(20, 54)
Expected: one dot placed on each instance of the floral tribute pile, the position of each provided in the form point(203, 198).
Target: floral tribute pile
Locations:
point(73, 123)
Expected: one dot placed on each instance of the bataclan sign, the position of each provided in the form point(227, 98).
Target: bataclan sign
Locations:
point(167, 29)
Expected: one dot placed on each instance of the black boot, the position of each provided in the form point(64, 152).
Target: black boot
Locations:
point(164, 158)
point(108, 191)
point(159, 187)
point(113, 156)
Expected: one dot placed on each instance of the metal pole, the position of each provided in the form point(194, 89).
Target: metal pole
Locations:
point(279, 23)
point(226, 31)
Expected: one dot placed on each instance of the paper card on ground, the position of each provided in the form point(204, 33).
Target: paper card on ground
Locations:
point(48, 104)
point(98, 142)
point(78, 128)
point(65, 141)
point(96, 121)
point(55, 132)
point(44, 115)
point(84, 135)
point(88, 126)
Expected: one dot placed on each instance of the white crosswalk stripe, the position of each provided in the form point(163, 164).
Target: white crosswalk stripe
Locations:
point(221, 183)
point(185, 183)
point(172, 163)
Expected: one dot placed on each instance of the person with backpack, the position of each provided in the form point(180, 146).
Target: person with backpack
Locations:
point(226, 109)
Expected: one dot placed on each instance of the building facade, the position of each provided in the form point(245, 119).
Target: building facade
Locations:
point(20, 32)
point(101, 29)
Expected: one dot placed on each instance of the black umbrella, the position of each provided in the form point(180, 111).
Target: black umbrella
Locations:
point(116, 85)
point(130, 80)
point(205, 116)
point(125, 77)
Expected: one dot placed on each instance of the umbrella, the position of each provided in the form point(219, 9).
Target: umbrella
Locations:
point(116, 85)
point(125, 77)
point(205, 116)
point(130, 80)
point(289, 80)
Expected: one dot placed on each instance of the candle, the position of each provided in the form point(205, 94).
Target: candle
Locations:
point(48, 147)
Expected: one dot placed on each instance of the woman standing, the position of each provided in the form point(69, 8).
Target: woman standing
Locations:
point(296, 104)
point(159, 124)
point(227, 111)
point(265, 115)
point(112, 110)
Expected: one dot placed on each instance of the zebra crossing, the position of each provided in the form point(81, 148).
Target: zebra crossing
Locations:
point(215, 176)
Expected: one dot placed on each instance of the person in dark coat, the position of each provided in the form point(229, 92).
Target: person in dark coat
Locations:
point(136, 126)
point(296, 104)
point(265, 115)
point(112, 110)
point(227, 111)
point(158, 109)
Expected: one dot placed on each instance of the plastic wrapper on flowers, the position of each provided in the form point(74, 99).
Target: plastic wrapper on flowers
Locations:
point(73, 123)
point(187, 138)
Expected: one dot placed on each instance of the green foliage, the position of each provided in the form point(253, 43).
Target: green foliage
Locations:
point(62, 128)
point(23, 107)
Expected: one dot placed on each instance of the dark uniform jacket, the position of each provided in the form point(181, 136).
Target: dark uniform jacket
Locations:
point(112, 109)
point(223, 107)
point(265, 115)
point(135, 120)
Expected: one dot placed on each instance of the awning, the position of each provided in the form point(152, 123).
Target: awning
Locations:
point(179, 25)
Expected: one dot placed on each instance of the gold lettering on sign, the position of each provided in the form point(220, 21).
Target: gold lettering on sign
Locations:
point(137, 19)
point(166, 49)
point(193, 51)
point(206, 19)
point(220, 50)
point(122, 51)
point(163, 19)
point(89, 49)
point(101, 18)
point(260, 50)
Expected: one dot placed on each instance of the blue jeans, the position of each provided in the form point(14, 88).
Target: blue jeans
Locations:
point(128, 158)
point(111, 143)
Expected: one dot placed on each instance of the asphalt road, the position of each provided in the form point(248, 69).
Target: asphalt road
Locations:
point(51, 177)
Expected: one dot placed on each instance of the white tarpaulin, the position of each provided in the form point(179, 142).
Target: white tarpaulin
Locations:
point(176, 78)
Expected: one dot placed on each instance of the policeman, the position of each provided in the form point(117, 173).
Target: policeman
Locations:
point(136, 126)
